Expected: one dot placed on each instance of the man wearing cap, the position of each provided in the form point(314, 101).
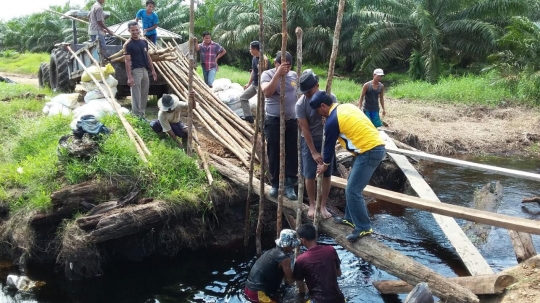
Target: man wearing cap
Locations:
point(168, 121)
point(271, 87)
point(319, 266)
point(250, 89)
point(266, 274)
point(312, 133)
point(373, 91)
point(347, 124)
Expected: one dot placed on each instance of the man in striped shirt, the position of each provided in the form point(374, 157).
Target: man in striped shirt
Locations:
point(210, 54)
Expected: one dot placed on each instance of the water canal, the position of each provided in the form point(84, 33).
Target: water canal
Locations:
point(218, 276)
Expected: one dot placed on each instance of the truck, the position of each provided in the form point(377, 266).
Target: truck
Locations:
point(64, 71)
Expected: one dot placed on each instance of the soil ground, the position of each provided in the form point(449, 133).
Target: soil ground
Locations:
point(22, 79)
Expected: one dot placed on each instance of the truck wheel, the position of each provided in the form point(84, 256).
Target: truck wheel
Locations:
point(44, 76)
point(59, 71)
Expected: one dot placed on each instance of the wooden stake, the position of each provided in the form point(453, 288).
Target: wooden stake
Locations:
point(299, 56)
point(191, 99)
point(260, 117)
point(523, 245)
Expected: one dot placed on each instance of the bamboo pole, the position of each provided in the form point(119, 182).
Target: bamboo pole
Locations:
point(202, 155)
point(282, 118)
point(80, 20)
point(115, 106)
point(191, 98)
point(299, 55)
point(335, 44)
point(122, 119)
point(260, 118)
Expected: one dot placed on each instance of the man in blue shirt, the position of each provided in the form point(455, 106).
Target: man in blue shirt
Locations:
point(149, 20)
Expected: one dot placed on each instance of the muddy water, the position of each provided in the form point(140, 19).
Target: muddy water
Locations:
point(213, 276)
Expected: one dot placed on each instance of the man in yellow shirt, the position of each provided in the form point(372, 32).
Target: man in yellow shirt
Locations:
point(348, 124)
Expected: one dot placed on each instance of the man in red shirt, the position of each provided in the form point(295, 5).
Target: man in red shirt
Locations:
point(210, 54)
point(319, 266)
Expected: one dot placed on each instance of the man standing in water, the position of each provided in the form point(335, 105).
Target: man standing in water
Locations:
point(138, 62)
point(373, 92)
point(210, 54)
point(149, 19)
point(266, 274)
point(356, 133)
point(319, 266)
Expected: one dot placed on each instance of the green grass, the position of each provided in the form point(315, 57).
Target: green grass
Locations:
point(469, 89)
point(31, 168)
point(27, 63)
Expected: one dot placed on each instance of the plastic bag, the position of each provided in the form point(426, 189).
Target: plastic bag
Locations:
point(58, 109)
point(229, 96)
point(68, 100)
point(97, 94)
point(221, 84)
point(94, 71)
point(110, 81)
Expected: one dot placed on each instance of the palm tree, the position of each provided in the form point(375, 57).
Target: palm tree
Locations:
point(425, 32)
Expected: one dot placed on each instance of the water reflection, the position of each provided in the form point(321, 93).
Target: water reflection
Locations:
point(216, 276)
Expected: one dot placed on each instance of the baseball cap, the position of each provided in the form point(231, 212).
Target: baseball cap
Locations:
point(319, 98)
point(378, 72)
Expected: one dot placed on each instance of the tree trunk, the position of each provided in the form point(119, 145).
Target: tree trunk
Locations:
point(479, 285)
point(523, 245)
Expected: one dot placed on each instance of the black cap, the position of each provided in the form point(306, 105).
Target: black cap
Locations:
point(319, 98)
point(255, 44)
point(308, 80)
point(288, 57)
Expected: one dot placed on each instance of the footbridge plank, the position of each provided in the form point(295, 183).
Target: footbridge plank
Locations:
point(469, 254)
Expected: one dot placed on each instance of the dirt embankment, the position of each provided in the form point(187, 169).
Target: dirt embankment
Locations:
point(451, 129)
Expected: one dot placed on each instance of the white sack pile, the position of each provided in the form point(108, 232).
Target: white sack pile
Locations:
point(229, 93)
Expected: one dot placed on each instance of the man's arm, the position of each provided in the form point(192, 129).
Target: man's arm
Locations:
point(304, 126)
point(175, 138)
point(250, 80)
point(128, 69)
point(269, 88)
point(221, 54)
point(362, 95)
point(287, 271)
point(154, 75)
point(381, 99)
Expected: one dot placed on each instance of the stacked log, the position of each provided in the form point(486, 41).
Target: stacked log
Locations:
point(157, 55)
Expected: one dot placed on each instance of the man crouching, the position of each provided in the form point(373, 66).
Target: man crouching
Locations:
point(170, 109)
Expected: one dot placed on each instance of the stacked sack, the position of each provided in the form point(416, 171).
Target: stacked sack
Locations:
point(229, 93)
point(96, 103)
point(62, 104)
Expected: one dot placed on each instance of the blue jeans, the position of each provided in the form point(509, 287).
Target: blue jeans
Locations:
point(101, 39)
point(209, 76)
point(361, 171)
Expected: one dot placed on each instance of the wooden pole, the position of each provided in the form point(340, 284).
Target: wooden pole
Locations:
point(116, 108)
point(122, 119)
point(282, 117)
point(299, 57)
point(445, 209)
point(466, 164)
point(192, 55)
point(523, 245)
point(260, 117)
point(478, 285)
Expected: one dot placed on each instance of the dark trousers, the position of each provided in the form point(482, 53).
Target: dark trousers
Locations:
point(271, 130)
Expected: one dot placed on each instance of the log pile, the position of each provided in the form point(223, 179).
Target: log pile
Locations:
point(157, 55)
point(225, 126)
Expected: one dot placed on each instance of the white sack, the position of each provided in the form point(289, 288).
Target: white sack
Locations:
point(221, 84)
point(68, 100)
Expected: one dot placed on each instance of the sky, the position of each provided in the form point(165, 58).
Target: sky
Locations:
point(17, 8)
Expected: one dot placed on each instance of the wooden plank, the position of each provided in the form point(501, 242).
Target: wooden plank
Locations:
point(445, 209)
point(469, 254)
point(420, 294)
point(479, 285)
point(367, 248)
point(466, 164)
point(523, 245)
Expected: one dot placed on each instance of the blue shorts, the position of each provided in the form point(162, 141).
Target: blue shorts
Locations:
point(374, 117)
point(309, 166)
point(179, 129)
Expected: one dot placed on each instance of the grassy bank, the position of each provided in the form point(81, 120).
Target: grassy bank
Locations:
point(26, 64)
point(469, 89)
point(30, 168)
